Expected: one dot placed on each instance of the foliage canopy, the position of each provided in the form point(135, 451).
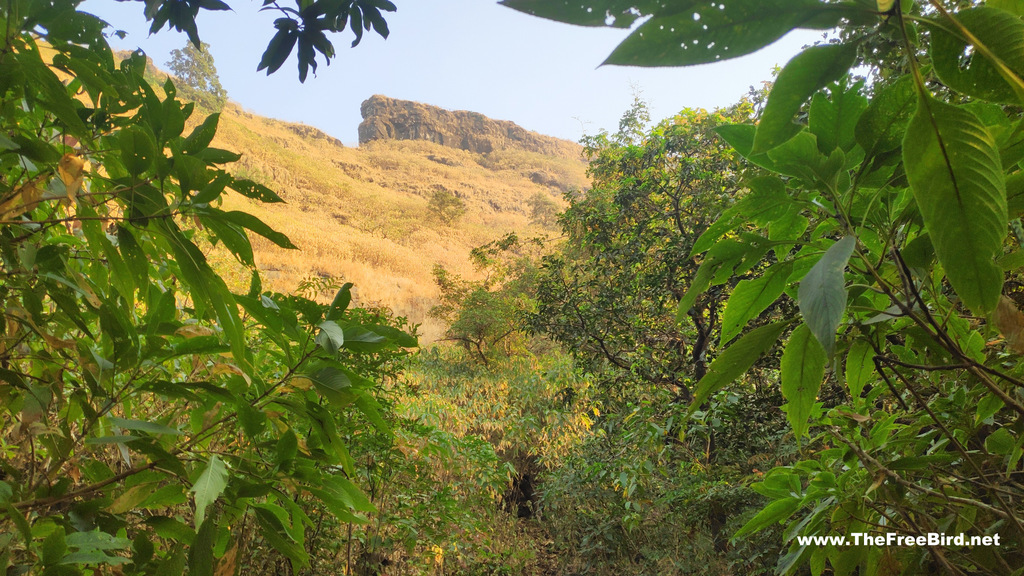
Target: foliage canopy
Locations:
point(903, 193)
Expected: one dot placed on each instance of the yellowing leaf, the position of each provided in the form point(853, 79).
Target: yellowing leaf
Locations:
point(228, 564)
point(194, 331)
point(885, 5)
point(25, 198)
point(72, 172)
point(225, 368)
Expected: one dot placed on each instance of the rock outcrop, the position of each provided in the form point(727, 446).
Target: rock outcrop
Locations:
point(389, 119)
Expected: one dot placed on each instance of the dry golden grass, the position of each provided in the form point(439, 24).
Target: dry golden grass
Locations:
point(360, 214)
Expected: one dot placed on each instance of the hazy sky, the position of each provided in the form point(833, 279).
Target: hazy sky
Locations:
point(458, 54)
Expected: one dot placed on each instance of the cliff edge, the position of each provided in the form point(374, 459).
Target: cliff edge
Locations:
point(389, 119)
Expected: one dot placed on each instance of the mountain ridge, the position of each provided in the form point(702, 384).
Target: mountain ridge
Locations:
point(387, 118)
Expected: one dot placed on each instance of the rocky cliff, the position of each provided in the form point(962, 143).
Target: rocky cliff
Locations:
point(389, 119)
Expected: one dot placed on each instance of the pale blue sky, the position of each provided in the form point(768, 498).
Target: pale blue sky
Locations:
point(458, 54)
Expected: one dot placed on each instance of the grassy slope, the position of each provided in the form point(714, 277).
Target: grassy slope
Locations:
point(360, 214)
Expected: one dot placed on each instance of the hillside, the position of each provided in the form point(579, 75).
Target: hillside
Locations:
point(360, 214)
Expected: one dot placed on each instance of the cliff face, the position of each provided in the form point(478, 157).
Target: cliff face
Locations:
point(389, 119)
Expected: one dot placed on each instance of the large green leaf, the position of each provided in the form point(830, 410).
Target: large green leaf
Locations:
point(209, 486)
point(822, 293)
point(614, 13)
point(956, 175)
point(881, 127)
point(252, 223)
point(1013, 6)
point(138, 149)
point(803, 368)
point(710, 32)
point(966, 69)
point(735, 360)
point(330, 337)
point(834, 120)
point(860, 367)
point(802, 76)
point(751, 297)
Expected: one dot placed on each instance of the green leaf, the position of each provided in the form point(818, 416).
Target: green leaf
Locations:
point(692, 32)
point(200, 553)
point(250, 189)
point(371, 409)
point(278, 49)
point(340, 302)
point(333, 384)
point(201, 135)
point(1001, 33)
point(287, 448)
point(881, 127)
point(860, 367)
point(765, 203)
point(209, 290)
point(1012, 6)
point(956, 175)
point(53, 547)
point(1000, 442)
point(822, 293)
point(834, 121)
point(987, 408)
point(735, 360)
point(804, 75)
point(331, 337)
point(175, 563)
point(803, 369)
point(97, 540)
point(751, 297)
point(699, 283)
point(775, 512)
point(394, 335)
point(741, 138)
point(253, 223)
point(172, 529)
point(138, 149)
point(209, 486)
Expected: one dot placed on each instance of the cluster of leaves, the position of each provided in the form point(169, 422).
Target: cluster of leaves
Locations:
point(646, 491)
point(611, 292)
point(304, 27)
point(151, 419)
point(887, 211)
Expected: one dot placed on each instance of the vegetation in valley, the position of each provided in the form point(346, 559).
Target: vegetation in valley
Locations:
point(747, 333)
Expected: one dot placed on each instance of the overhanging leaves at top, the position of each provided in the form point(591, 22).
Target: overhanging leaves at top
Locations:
point(710, 32)
point(956, 175)
point(614, 13)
